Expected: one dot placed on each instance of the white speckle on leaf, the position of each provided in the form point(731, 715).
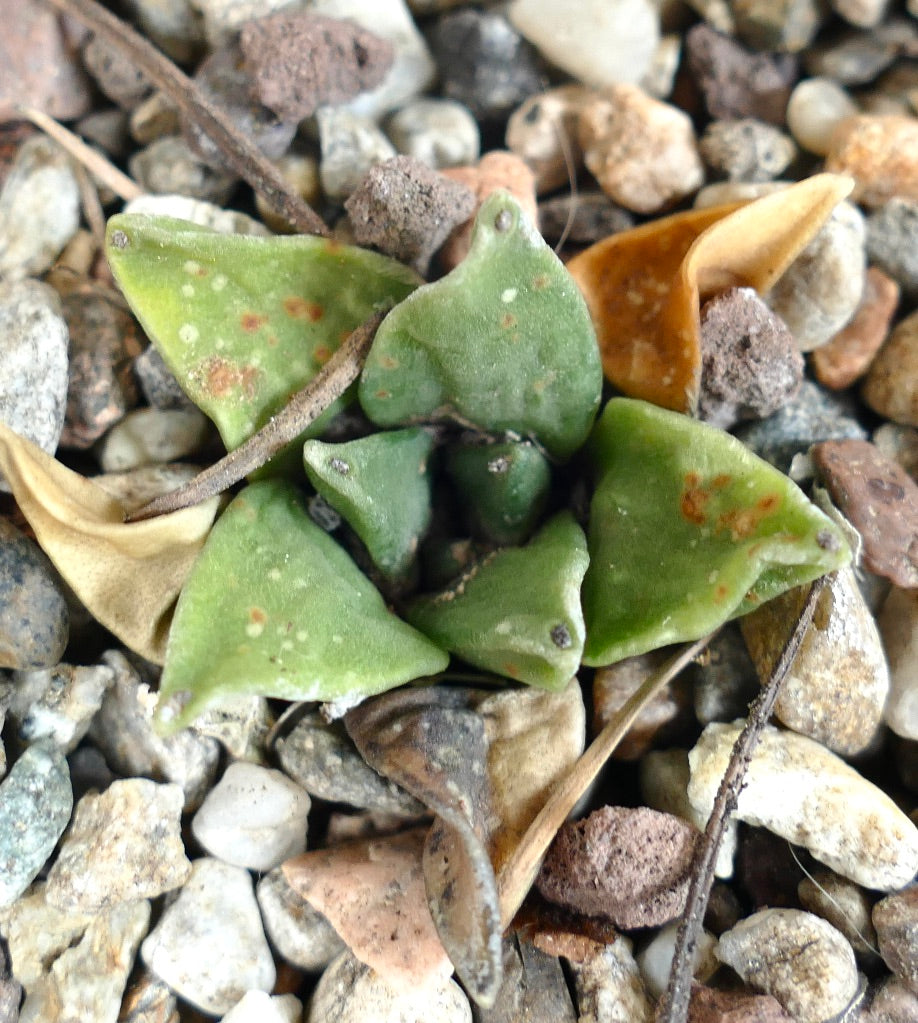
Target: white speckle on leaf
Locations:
point(188, 333)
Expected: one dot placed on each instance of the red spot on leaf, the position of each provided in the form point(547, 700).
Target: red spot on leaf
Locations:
point(299, 308)
point(721, 480)
point(720, 594)
point(511, 669)
point(219, 377)
point(693, 500)
point(508, 320)
point(257, 616)
point(769, 503)
point(251, 322)
point(322, 354)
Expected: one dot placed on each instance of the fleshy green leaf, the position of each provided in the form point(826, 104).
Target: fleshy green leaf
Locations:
point(379, 485)
point(687, 529)
point(275, 607)
point(503, 343)
point(517, 611)
point(504, 487)
point(242, 321)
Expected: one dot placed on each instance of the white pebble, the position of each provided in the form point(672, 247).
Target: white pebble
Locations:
point(259, 1007)
point(898, 622)
point(609, 986)
point(350, 146)
point(254, 817)
point(438, 132)
point(815, 107)
point(656, 959)
point(797, 958)
point(151, 435)
point(799, 790)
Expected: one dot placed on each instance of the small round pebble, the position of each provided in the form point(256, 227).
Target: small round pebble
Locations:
point(118, 77)
point(33, 362)
point(596, 41)
point(656, 958)
point(845, 905)
point(629, 865)
point(157, 382)
point(407, 210)
point(798, 958)
point(301, 934)
point(35, 804)
point(784, 25)
point(891, 385)
point(820, 291)
point(298, 61)
point(896, 921)
point(856, 58)
point(350, 146)
point(150, 435)
point(846, 357)
point(750, 363)
point(880, 153)
point(581, 219)
point(209, 945)
point(543, 132)
point(485, 64)
point(254, 817)
point(815, 108)
point(642, 151)
point(746, 149)
point(260, 1007)
point(123, 845)
point(439, 132)
point(351, 992)
point(168, 166)
point(898, 623)
point(39, 209)
point(862, 13)
point(34, 620)
point(892, 242)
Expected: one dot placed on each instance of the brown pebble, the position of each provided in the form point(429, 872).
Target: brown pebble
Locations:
point(117, 76)
point(495, 170)
point(845, 358)
point(896, 921)
point(737, 82)
point(301, 61)
point(891, 386)
point(880, 151)
point(751, 365)
point(708, 1005)
point(407, 210)
point(881, 501)
point(631, 866)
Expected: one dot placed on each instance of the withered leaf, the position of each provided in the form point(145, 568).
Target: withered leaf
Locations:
point(128, 575)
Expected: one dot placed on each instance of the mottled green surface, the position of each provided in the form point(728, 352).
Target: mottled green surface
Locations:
point(502, 488)
point(275, 607)
point(517, 611)
point(244, 321)
point(687, 529)
point(35, 804)
point(380, 486)
point(503, 343)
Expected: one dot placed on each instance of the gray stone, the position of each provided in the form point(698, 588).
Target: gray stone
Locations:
point(892, 243)
point(896, 921)
point(154, 119)
point(254, 817)
point(725, 681)
point(609, 986)
point(87, 980)
point(167, 166)
point(350, 992)
point(439, 132)
point(852, 57)
point(350, 146)
point(118, 76)
point(845, 905)
point(837, 687)
point(39, 209)
point(323, 759)
point(485, 63)
point(174, 25)
point(820, 291)
point(34, 620)
point(784, 25)
point(533, 989)
point(150, 435)
point(597, 42)
point(33, 362)
point(581, 219)
point(35, 804)
point(814, 414)
point(746, 149)
point(58, 704)
point(798, 958)
point(301, 934)
point(209, 945)
point(799, 790)
point(123, 730)
point(123, 844)
point(158, 382)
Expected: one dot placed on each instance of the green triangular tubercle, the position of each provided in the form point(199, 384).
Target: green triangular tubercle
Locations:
point(380, 486)
point(517, 611)
point(688, 529)
point(274, 607)
point(503, 343)
point(502, 487)
point(245, 321)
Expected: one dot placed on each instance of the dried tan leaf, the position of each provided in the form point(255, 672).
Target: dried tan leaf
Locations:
point(644, 286)
point(127, 575)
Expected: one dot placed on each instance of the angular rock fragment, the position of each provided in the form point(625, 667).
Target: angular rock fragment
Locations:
point(609, 986)
point(629, 865)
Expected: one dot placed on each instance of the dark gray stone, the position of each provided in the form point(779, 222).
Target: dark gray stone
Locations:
point(34, 620)
point(892, 243)
point(158, 382)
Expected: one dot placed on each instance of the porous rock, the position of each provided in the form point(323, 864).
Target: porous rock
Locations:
point(798, 958)
point(58, 703)
point(746, 149)
point(881, 153)
point(631, 866)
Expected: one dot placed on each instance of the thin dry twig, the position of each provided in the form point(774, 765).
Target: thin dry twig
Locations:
point(102, 170)
point(241, 155)
point(341, 370)
point(518, 874)
point(674, 1004)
